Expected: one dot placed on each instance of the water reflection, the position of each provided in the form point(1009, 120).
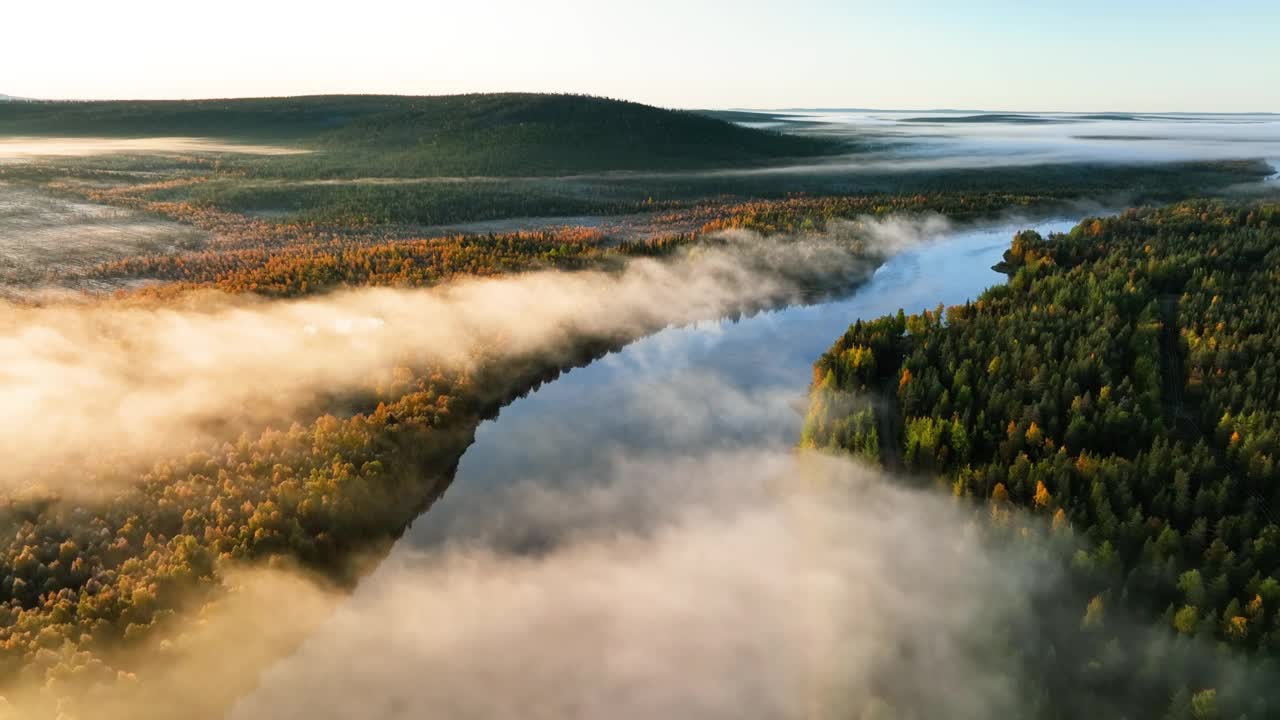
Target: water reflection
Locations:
point(715, 385)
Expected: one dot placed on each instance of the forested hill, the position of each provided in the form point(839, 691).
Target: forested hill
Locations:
point(1125, 385)
point(481, 134)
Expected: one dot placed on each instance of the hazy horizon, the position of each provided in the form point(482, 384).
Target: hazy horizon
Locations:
point(996, 55)
point(722, 108)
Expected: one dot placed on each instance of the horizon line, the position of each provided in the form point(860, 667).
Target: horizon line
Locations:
point(732, 108)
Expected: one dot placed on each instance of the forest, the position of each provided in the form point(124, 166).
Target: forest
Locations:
point(398, 136)
point(1117, 396)
point(290, 238)
point(375, 197)
point(433, 161)
point(1120, 384)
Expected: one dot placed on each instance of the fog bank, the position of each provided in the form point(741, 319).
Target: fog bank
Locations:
point(136, 380)
point(23, 149)
point(925, 140)
point(751, 583)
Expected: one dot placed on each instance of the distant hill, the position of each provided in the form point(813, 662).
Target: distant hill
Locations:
point(498, 134)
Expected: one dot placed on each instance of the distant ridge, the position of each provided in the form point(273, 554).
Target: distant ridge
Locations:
point(476, 134)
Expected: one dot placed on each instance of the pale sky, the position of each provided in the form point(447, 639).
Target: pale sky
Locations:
point(1141, 55)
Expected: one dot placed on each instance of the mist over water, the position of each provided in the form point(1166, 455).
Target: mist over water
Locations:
point(727, 585)
point(639, 539)
point(723, 384)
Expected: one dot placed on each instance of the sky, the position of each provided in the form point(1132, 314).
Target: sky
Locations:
point(1139, 55)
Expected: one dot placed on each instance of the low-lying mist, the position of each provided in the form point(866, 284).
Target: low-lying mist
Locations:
point(45, 240)
point(712, 574)
point(137, 379)
point(23, 149)
point(921, 140)
point(734, 583)
point(689, 567)
point(747, 583)
point(893, 142)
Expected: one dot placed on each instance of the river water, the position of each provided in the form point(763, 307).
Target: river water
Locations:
point(536, 475)
point(727, 384)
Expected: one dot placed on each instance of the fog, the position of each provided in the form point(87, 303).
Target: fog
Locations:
point(747, 583)
point(917, 140)
point(680, 564)
point(681, 561)
point(889, 141)
point(24, 149)
point(715, 573)
point(731, 583)
point(723, 581)
point(744, 584)
point(47, 241)
point(135, 380)
point(652, 549)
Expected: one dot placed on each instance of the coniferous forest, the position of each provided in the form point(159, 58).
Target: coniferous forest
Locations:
point(1120, 390)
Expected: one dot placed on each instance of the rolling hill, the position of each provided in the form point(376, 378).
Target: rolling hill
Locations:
point(479, 134)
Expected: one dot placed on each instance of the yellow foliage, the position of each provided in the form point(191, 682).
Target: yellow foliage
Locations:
point(1059, 520)
point(999, 494)
point(1034, 435)
point(1042, 499)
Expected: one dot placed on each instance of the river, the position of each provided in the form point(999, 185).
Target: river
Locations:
point(536, 473)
